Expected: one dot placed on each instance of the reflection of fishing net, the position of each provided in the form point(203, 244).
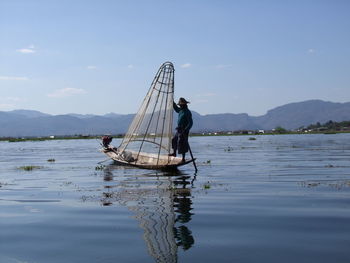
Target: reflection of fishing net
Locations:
point(151, 129)
point(154, 207)
point(160, 202)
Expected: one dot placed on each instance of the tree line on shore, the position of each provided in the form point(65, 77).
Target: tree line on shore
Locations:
point(327, 127)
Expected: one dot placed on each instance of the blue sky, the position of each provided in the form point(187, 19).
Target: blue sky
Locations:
point(96, 57)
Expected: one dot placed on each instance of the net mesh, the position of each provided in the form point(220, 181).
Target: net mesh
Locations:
point(151, 129)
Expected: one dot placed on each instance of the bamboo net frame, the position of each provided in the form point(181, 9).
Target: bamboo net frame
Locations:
point(152, 127)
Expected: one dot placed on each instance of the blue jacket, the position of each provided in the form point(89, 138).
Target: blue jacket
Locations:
point(184, 120)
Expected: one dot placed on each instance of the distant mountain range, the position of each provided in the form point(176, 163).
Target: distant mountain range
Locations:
point(19, 123)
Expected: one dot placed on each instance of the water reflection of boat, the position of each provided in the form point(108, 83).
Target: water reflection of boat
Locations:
point(162, 205)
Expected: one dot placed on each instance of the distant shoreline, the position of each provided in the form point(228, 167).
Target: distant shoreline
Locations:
point(55, 138)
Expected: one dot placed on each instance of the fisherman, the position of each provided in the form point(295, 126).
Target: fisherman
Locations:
point(106, 140)
point(184, 124)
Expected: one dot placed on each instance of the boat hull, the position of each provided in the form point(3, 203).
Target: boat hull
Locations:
point(145, 160)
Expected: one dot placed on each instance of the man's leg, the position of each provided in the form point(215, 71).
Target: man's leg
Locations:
point(183, 144)
point(174, 143)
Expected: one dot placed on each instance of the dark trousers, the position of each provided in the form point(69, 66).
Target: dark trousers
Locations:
point(180, 142)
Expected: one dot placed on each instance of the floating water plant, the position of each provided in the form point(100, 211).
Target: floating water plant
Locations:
point(99, 167)
point(2, 184)
point(108, 195)
point(51, 160)
point(334, 184)
point(29, 167)
point(206, 185)
point(313, 184)
point(252, 138)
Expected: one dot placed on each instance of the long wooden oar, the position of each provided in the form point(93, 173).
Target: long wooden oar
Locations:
point(194, 163)
point(104, 160)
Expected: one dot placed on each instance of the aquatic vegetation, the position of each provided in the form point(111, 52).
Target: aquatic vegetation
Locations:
point(338, 185)
point(107, 195)
point(313, 184)
point(51, 160)
point(99, 167)
point(51, 138)
point(29, 167)
point(85, 198)
point(3, 184)
point(206, 185)
point(252, 138)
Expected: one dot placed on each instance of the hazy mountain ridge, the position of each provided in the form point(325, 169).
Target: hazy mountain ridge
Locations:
point(294, 115)
point(290, 116)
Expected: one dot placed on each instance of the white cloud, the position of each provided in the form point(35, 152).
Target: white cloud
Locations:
point(91, 67)
point(186, 65)
point(311, 50)
point(11, 99)
point(130, 66)
point(28, 50)
point(6, 106)
point(12, 78)
point(8, 103)
point(66, 92)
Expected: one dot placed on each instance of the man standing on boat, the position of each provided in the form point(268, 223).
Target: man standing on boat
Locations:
point(184, 124)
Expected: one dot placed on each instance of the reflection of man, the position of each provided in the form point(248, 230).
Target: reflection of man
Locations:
point(182, 207)
point(184, 124)
point(183, 237)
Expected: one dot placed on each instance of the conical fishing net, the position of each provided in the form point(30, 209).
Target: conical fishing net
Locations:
point(151, 129)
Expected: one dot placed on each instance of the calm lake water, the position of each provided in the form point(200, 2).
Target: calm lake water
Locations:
point(282, 198)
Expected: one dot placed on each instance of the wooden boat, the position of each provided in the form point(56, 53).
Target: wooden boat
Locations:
point(145, 160)
point(147, 143)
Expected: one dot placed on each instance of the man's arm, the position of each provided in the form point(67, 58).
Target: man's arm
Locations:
point(176, 108)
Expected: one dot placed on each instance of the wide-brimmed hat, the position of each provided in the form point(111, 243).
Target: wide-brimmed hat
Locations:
point(182, 101)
